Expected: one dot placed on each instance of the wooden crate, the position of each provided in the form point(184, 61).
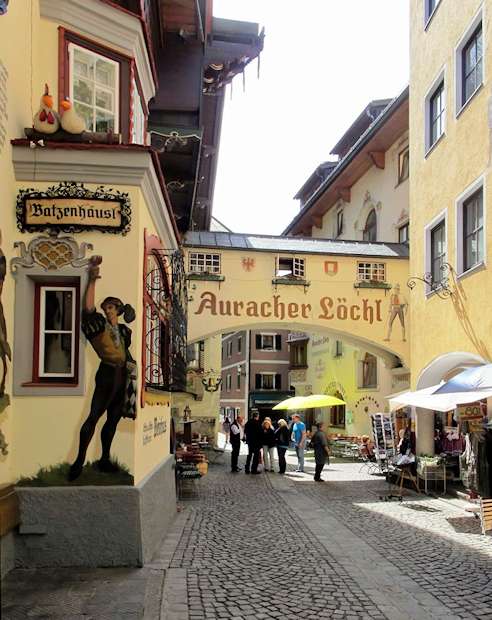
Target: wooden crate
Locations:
point(486, 515)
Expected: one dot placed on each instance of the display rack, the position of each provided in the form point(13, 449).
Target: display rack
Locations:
point(383, 431)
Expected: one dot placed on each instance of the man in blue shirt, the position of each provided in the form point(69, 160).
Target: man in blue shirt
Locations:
point(299, 439)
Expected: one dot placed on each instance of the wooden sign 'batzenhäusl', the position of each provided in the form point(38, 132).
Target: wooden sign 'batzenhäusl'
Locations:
point(71, 207)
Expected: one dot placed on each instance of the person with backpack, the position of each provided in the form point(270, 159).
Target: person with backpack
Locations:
point(319, 442)
point(282, 438)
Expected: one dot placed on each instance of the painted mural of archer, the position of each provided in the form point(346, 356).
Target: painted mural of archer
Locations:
point(116, 377)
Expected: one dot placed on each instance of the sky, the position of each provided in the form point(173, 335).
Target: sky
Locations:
point(323, 61)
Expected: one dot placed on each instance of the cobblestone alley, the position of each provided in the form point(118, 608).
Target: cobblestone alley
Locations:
point(271, 546)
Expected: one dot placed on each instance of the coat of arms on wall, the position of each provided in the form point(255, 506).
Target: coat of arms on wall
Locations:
point(70, 207)
point(248, 263)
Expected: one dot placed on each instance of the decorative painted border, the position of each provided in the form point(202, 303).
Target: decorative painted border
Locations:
point(73, 189)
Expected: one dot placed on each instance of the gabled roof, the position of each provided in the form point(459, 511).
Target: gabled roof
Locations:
point(315, 178)
point(374, 142)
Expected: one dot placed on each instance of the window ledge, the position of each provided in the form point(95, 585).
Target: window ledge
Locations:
point(478, 267)
point(368, 389)
point(40, 384)
point(470, 98)
point(431, 17)
point(434, 145)
point(210, 277)
point(364, 284)
point(291, 281)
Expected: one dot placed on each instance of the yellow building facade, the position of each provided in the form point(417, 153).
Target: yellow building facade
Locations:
point(67, 206)
point(449, 192)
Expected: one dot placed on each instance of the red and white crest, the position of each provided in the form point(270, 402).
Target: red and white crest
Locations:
point(248, 263)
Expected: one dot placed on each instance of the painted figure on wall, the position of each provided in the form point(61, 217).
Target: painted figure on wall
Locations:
point(397, 308)
point(115, 389)
point(5, 352)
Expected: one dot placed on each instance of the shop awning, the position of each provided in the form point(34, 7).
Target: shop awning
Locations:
point(427, 399)
point(263, 399)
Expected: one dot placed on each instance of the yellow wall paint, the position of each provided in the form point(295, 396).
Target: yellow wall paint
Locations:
point(256, 286)
point(463, 322)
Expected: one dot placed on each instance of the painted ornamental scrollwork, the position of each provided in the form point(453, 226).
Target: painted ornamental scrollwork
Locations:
point(50, 252)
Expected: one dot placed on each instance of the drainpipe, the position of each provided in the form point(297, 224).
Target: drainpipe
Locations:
point(248, 364)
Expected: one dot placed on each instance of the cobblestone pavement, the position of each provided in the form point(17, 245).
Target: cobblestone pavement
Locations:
point(271, 546)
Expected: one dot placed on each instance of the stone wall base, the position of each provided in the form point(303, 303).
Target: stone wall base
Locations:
point(7, 554)
point(95, 526)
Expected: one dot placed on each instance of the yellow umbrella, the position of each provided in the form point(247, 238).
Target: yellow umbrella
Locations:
point(308, 402)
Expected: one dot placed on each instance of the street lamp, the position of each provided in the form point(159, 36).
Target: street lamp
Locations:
point(186, 414)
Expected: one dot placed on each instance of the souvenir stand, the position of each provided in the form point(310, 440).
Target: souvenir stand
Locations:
point(383, 431)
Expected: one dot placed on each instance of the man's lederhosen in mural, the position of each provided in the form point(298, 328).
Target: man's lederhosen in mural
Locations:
point(115, 390)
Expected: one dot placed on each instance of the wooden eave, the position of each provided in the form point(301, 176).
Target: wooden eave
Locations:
point(179, 15)
point(349, 174)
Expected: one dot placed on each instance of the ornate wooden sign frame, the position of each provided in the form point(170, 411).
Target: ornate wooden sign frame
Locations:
point(106, 210)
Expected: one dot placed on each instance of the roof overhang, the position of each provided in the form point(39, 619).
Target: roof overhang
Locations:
point(377, 139)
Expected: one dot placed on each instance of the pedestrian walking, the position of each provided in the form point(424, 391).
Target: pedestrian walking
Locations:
point(268, 442)
point(237, 433)
point(282, 436)
point(254, 437)
point(319, 442)
point(226, 427)
point(299, 439)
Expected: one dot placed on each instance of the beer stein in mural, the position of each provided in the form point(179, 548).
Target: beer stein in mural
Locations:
point(5, 352)
point(115, 389)
point(397, 308)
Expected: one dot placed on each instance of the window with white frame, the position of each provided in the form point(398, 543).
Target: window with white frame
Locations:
point(228, 383)
point(339, 222)
point(429, 8)
point(437, 253)
point(94, 88)
point(371, 272)
point(238, 379)
point(239, 344)
point(201, 262)
point(267, 381)
point(138, 117)
point(338, 352)
point(403, 233)
point(269, 342)
point(469, 63)
point(290, 267)
point(435, 111)
point(403, 165)
point(470, 228)
point(56, 332)
point(229, 348)
point(371, 228)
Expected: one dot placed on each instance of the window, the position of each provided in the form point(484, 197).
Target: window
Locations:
point(195, 355)
point(403, 165)
point(471, 63)
point(290, 267)
point(229, 348)
point(204, 263)
point(371, 272)
point(369, 372)
point(337, 414)
point(228, 383)
point(56, 332)
point(239, 344)
point(473, 233)
point(94, 88)
point(338, 349)
point(139, 118)
point(437, 253)
point(269, 342)
point(370, 229)
point(403, 234)
point(238, 379)
point(339, 223)
point(430, 7)
point(437, 115)
point(298, 355)
point(268, 381)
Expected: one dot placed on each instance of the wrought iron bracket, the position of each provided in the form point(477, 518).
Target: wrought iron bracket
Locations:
point(441, 287)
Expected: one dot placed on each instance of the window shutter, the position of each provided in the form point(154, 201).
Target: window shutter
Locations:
point(278, 342)
point(278, 380)
point(258, 381)
point(258, 341)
